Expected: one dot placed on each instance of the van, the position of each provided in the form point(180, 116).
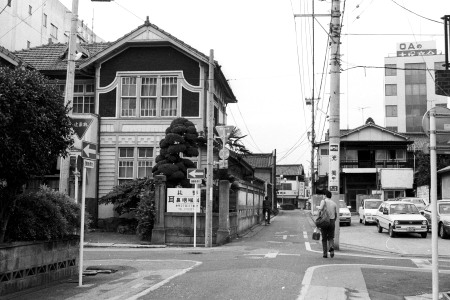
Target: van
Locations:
point(368, 210)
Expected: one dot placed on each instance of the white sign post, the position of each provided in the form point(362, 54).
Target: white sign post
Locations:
point(86, 164)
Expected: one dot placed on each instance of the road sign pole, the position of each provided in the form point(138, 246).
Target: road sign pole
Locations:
point(195, 215)
point(434, 225)
point(83, 199)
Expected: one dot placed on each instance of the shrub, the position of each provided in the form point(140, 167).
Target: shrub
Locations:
point(145, 214)
point(43, 215)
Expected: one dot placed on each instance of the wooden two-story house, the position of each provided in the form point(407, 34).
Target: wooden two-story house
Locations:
point(373, 161)
point(126, 94)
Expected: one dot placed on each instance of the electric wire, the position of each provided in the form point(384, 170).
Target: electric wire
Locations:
point(417, 13)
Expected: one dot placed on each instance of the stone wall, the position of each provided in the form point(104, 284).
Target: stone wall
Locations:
point(28, 264)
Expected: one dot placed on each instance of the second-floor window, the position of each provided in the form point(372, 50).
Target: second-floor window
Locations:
point(391, 110)
point(83, 99)
point(149, 96)
point(44, 20)
point(390, 70)
point(391, 90)
point(54, 31)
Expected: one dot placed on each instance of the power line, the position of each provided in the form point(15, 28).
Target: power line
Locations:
point(417, 14)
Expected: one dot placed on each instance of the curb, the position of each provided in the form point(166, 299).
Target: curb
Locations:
point(114, 245)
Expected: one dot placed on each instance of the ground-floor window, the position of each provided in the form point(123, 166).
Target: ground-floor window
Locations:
point(134, 162)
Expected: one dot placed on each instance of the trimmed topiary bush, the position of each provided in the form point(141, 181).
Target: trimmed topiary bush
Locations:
point(43, 215)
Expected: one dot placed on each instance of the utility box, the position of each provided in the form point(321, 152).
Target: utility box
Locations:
point(397, 178)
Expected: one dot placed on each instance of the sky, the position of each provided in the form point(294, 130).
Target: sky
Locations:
point(266, 53)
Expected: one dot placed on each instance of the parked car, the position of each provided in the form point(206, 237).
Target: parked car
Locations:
point(443, 217)
point(400, 216)
point(368, 210)
point(345, 215)
point(418, 202)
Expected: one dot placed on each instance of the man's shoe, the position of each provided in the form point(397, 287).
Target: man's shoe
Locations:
point(331, 252)
point(325, 256)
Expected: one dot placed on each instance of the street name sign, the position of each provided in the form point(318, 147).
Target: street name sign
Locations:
point(89, 150)
point(88, 163)
point(195, 173)
point(442, 117)
point(195, 181)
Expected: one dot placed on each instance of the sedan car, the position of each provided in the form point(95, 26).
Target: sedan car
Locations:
point(400, 216)
point(344, 213)
point(443, 217)
point(418, 202)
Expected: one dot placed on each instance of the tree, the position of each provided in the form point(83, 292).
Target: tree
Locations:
point(34, 131)
point(181, 137)
point(370, 121)
point(235, 143)
point(422, 175)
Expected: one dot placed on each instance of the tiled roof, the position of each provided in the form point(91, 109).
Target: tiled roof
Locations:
point(290, 170)
point(260, 160)
point(51, 56)
point(6, 53)
point(419, 140)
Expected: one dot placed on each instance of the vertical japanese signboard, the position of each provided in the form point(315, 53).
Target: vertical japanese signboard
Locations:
point(333, 178)
point(183, 200)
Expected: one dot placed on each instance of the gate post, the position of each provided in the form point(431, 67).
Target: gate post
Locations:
point(159, 231)
point(223, 233)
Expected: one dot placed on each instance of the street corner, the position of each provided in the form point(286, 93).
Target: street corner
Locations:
point(114, 279)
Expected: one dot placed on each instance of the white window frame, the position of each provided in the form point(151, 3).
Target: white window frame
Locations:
point(145, 161)
point(157, 110)
point(125, 162)
point(53, 31)
point(84, 96)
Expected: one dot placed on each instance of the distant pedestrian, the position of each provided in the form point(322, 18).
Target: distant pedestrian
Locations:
point(328, 232)
point(267, 208)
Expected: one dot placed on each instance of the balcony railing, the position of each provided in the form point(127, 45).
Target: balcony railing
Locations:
point(386, 163)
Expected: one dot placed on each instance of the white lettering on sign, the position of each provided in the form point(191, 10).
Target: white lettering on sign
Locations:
point(89, 164)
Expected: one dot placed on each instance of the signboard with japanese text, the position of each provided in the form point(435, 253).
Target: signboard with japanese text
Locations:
point(333, 160)
point(80, 125)
point(301, 189)
point(416, 48)
point(183, 200)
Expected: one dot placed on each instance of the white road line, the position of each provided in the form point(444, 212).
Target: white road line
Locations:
point(308, 246)
point(271, 255)
point(305, 234)
point(137, 285)
point(161, 283)
point(284, 237)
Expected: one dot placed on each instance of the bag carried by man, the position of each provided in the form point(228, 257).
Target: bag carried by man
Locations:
point(323, 220)
point(316, 234)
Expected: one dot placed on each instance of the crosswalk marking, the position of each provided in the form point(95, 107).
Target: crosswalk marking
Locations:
point(271, 255)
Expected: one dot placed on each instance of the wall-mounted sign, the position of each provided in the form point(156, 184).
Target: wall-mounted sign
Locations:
point(183, 200)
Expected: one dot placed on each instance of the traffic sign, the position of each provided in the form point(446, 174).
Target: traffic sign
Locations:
point(223, 164)
point(80, 125)
point(442, 115)
point(195, 173)
point(89, 150)
point(195, 181)
point(224, 153)
point(88, 163)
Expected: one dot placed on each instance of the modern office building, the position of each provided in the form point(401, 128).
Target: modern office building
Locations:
point(409, 85)
point(30, 23)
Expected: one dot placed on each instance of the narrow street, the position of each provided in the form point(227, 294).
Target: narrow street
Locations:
point(277, 261)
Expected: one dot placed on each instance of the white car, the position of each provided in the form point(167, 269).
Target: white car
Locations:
point(344, 213)
point(368, 210)
point(418, 202)
point(400, 216)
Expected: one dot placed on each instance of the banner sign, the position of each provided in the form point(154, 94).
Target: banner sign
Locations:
point(182, 200)
point(333, 178)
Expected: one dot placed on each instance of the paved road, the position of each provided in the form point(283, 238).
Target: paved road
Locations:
point(279, 261)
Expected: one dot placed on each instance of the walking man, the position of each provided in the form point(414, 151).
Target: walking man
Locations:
point(328, 232)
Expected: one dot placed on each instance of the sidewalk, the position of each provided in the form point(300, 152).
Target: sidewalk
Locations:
point(97, 238)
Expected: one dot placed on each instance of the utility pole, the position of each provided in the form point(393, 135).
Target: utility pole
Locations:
point(334, 120)
point(209, 150)
point(68, 98)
